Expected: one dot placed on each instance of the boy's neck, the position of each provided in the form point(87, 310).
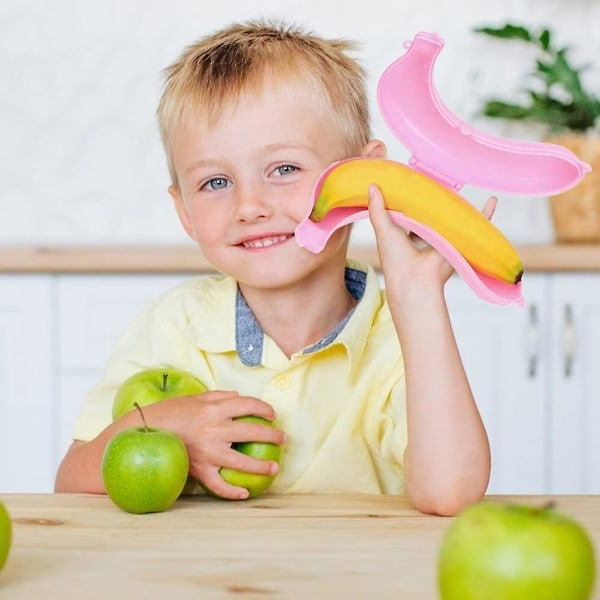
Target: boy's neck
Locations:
point(299, 316)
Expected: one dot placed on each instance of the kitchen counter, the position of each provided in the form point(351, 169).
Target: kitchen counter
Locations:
point(274, 547)
point(184, 259)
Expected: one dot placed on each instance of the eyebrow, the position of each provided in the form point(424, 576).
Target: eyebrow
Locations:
point(279, 145)
point(269, 148)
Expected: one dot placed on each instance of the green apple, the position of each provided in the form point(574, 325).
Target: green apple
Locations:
point(144, 469)
point(255, 483)
point(152, 385)
point(504, 551)
point(5, 535)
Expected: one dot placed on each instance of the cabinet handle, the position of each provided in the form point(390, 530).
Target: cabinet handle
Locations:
point(568, 340)
point(533, 338)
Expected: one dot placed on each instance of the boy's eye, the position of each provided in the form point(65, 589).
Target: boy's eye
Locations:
point(285, 169)
point(216, 183)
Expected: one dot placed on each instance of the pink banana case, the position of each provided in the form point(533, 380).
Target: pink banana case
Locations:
point(453, 153)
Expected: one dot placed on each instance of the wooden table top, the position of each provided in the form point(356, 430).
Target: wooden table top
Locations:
point(188, 259)
point(274, 547)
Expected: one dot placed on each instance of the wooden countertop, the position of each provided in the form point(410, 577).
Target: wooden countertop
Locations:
point(185, 259)
point(274, 547)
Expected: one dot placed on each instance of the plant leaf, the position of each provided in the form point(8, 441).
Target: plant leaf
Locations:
point(546, 109)
point(543, 110)
point(567, 76)
point(545, 72)
point(581, 109)
point(504, 110)
point(545, 39)
point(509, 31)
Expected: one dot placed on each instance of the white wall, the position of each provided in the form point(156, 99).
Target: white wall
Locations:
point(80, 157)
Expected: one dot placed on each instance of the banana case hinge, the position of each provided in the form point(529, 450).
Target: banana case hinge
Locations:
point(424, 168)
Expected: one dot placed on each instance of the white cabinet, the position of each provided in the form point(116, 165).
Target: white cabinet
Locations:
point(503, 351)
point(533, 371)
point(27, 383)
point(56, 332)
point(574, 385)
point(92, 312)
point(535, 376)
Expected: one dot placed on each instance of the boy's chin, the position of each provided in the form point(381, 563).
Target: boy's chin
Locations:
point(284, 266)
point(269, 281)
point(273, 277)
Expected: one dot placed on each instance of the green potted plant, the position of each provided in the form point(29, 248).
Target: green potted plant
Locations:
point(571, 114)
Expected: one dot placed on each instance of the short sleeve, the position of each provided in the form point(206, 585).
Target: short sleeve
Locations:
point(393, 430)
point(147, 343)
point(385, 426)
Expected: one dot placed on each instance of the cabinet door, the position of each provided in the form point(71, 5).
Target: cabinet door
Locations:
point(575, 378)
point(27, 418)
point(504, 352)
point(93, 311)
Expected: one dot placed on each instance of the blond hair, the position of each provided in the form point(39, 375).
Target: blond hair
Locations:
point(214, 71)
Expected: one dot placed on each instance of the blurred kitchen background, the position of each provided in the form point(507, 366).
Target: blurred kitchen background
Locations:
point(88, 234)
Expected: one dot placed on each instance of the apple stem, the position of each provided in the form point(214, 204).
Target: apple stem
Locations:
point(142, 414)
point(549, 505)
point(164, 383)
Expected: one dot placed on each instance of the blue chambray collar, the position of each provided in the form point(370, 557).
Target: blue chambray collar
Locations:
point(249, 335)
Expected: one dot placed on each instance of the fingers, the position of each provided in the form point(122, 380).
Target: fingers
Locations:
point(241, 431)
point(215, 429)
point(229, 404)
point(233, 459)
point(382, 223)
point(379, 218)
point(217, 485)
point(490, 207)
point(391, 239)
point(242, 406)
point(218, 394)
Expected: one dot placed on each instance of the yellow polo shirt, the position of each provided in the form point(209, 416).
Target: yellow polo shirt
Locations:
point(341, 401)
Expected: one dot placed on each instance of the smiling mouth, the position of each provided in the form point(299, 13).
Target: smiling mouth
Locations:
point(266, 242)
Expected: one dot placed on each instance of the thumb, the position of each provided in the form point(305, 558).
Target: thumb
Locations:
point(377, 213)
point(391, 239)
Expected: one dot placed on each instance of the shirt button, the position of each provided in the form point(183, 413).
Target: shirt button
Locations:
point(283, 382)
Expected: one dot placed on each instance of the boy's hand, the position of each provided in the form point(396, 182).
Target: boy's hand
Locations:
point(406, 259)
point(206, 426)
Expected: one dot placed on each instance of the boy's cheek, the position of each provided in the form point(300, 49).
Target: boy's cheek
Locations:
point(300, 207)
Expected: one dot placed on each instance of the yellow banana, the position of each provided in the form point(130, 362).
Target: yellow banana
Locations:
point(420, 198)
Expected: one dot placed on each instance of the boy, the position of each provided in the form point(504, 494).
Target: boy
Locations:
point(250, 116)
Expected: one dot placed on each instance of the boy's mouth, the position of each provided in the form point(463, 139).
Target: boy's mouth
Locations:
point(260, 242)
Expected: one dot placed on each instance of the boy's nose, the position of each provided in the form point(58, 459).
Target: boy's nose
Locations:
point(253, 205)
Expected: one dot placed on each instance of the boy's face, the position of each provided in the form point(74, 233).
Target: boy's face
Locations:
point(245, 184)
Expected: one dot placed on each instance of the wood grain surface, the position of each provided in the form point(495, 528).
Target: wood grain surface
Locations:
point(188, 259)
point(275, 547)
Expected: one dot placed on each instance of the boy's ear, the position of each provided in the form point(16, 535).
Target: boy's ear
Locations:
point(374, 149)
point(182, 211)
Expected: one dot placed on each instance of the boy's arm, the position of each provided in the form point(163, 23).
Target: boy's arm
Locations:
point(206, 425)
point(80, 469)
point(447, 459)
point(204, 422)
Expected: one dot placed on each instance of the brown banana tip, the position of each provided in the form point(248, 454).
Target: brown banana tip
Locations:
point(519, 276)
